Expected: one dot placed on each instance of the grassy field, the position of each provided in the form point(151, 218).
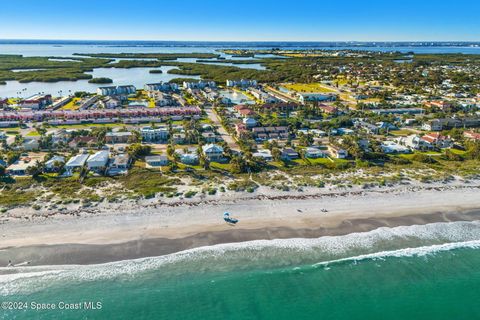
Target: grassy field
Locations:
point(401, 132)
point(89, 125)
point(71, 105)
point(308, 87)
point(221, 166)
point(33, 133)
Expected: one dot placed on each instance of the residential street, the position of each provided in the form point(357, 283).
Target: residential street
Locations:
point(223, 133)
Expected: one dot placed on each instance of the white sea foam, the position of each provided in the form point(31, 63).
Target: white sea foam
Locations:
point(407, 252)
point(380, 243)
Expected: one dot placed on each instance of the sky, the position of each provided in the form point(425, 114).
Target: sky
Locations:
point(245, 20)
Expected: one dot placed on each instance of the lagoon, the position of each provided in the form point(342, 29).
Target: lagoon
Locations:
point(140, 76)
point(136, 76)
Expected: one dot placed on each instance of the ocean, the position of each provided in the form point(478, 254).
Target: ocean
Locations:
point(415, 272)
point(140, 76)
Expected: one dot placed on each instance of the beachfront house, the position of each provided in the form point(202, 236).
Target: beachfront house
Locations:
point(289, 154)
point(156, 161)
point(264, 154)
point(337, 152)
point(437, 140)
point(19, 168)
point(54, 163)
point(392, 147)
point(98, 161)
point(188, 156)
point(314, 153)
point(76, 162)
point(414, 142)
point(119, 164)
point(213, 152)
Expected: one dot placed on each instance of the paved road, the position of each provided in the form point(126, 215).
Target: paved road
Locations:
point(223, 133)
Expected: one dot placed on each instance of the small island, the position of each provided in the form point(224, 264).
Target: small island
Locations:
point(100, 80)
point(155, 71)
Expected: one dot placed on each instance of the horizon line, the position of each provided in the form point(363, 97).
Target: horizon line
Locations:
point(261, 41)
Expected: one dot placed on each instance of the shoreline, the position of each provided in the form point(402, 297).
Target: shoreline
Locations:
point(158, 230)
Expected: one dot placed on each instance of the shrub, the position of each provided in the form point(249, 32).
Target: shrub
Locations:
point(420, 157)
point(190, 194)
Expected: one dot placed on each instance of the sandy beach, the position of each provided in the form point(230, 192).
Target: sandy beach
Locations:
point(134, 231)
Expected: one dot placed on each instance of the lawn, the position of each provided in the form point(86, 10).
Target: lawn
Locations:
point(33, 133)
point(221, 166)
point(401, 132)
point(71, 105)
point(308, 87)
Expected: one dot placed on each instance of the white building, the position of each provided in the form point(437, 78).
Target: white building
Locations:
point(242, 83)
point(153, 135)
point(111, 103)
point(316, 96)
point(76, 162)
point(50, 164)
point(314, 153)
point(393, 147)
point(264, 154)
point(249, 122)
point(98, 160)
point(199, 84)
point(161, 86)
point(113, 91)
point(156, 161)
point(213, 152)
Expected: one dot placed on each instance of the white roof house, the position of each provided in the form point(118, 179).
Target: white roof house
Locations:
point(98, 160)
point(393, 147)
point(212, 151)
point(19, 168)
point(265, 154)
point(249, 122)
point(51, 163)
point(156, 161)
point(312, 152)
point(76, 161)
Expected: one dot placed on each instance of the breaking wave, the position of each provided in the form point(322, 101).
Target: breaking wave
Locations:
point(382, 243)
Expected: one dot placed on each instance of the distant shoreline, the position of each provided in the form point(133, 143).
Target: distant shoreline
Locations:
point(286, 43)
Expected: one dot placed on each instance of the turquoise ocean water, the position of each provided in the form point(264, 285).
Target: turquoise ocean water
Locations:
point(416, 272)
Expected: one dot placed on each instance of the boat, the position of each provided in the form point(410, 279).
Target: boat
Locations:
point(228, 219)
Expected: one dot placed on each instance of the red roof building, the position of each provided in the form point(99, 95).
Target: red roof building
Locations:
point(472, 135)
point(440, 104)
point(328, 109)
